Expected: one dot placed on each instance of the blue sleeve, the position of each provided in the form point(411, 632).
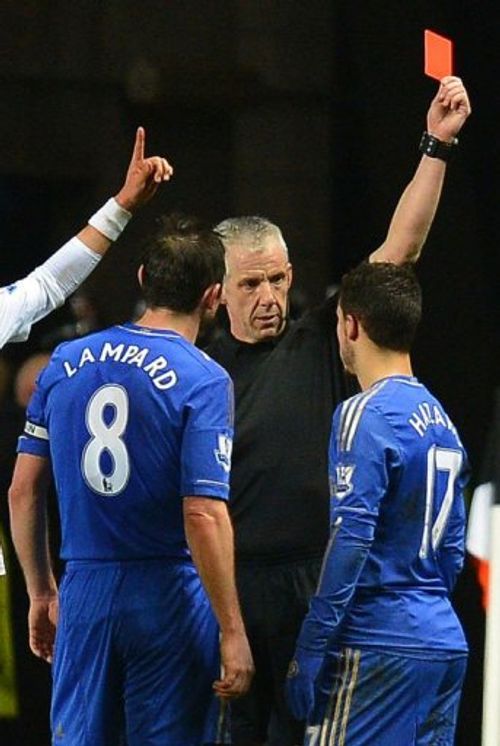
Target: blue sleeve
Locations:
point(35, 437)
point(208, 439)
point(359, 470)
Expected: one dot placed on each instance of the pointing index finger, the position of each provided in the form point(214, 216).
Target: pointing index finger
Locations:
point(140, 139)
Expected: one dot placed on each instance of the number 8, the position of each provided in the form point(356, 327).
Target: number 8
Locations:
point(106, 437)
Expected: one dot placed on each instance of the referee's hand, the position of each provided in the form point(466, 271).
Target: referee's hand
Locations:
point(237, 665)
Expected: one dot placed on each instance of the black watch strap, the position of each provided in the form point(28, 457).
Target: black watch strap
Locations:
point(434, 148)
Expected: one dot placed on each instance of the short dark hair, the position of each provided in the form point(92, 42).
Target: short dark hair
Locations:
point(387, 300)
point(181, 261)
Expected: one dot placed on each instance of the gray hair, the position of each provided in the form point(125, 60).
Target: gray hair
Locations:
point(249, 232)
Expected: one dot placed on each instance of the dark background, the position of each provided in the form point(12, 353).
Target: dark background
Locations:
point(307, 112)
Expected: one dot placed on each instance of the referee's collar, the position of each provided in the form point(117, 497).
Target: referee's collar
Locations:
point(263, 344)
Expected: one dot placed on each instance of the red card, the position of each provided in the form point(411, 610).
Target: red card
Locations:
point(438, 55)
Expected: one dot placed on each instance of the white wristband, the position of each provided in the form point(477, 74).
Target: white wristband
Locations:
point(111, 219)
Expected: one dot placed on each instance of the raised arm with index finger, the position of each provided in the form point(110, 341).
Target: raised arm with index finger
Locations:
point(47, 287)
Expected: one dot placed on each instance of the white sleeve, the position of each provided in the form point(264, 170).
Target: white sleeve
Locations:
point(46, 288)
point(478, 529)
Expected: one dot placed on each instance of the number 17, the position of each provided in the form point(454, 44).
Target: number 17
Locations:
point(450, 461)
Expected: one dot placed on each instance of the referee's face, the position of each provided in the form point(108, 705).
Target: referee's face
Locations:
point(256, 290)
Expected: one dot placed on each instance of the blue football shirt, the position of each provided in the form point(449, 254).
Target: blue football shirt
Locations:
point(397, 472)
point(133, 420)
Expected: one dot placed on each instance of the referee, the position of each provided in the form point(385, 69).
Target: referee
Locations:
point(288, 380)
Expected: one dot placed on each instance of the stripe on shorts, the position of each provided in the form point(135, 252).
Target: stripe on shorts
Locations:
point(336, 720)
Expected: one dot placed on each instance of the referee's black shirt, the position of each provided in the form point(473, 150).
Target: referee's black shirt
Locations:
point(285, 390)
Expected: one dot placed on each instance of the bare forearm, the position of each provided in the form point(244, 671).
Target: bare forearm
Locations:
point(30, 537)
point(415, 211)
point(28, 520)
point(94, 240)
point(414, 214)
point(210, 539)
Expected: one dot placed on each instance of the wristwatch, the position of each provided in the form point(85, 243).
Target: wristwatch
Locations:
point(435, 148)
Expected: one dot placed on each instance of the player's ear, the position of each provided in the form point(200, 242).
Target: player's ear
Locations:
point(140, 275)
point(351, 327)
point(211, 297)
point(289, 274)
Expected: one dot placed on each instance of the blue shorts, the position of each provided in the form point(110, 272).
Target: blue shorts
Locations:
point(135, 658)
point(366, 697)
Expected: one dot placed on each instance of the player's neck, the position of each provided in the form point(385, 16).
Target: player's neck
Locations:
point(186, 325)
point(381, 364)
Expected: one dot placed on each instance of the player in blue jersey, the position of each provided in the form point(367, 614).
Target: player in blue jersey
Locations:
point(136, 423)
point(381, 655)
point(30, 299)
